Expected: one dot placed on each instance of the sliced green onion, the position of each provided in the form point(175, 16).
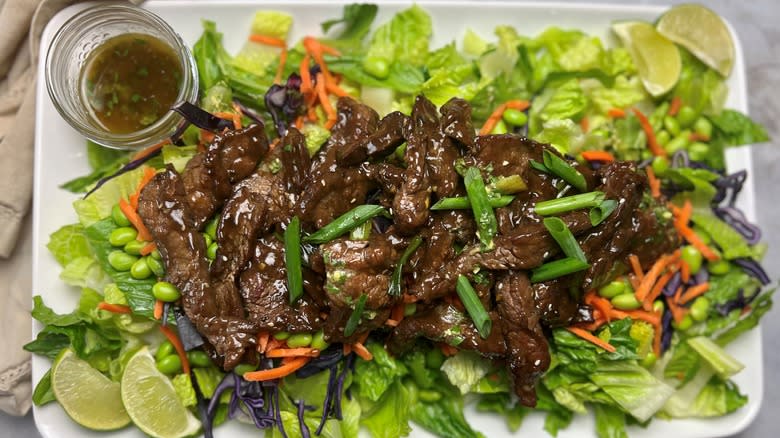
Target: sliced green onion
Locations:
point(563, 169)
point(568, 203)
point(345, 223)
point(539, 166)
point(508, 185)
point(362, 232)
point(558, 268)
point(562, 234)
point(462, 202)
point(487, 226)
point(354, 318)
point(601, 212)
point(468, 296)
point(292, 259)
point(395, 281)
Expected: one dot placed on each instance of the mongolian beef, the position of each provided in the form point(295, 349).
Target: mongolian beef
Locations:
point(405, 164)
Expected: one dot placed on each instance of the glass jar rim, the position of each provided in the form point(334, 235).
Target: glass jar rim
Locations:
point(79, 24)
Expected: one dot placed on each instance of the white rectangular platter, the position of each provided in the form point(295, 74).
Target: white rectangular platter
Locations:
point(60, 156)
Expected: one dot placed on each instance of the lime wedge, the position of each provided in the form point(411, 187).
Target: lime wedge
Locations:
point(90, 398)
point(702, 32)
point(151, 400)
point(657, 59)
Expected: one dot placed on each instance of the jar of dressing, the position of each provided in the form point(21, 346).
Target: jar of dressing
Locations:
point(113, 72)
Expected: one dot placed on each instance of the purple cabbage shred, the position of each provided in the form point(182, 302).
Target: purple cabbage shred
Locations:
point(754, 269)
point(672, 285)
point(304, 428)
point(285, 103)
point(739, 222)
point(201, 118)
point(667, 331)
point(729, 187)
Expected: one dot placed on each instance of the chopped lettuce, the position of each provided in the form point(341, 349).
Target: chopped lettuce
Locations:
point(274, 24)
point(98, 204)
point(473, 44)
point(178, 156)
point(716, 357)
point(733, 128)
point(208, 379)
point(403, 40)
point(625, 92)
point(354, 26)
point(564, 135)
point(610, 423)
point(632, 387)
point(184, 390)
point(388, 417)
point(465, 369)
point(699, 86)
point(502, 404)
point(443, 417)
point(373, 378)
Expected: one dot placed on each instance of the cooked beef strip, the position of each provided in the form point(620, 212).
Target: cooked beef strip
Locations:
point(383, 141)
point(527, 353)
point(216, 313)
point(231, 157)
point(388, 176)
point(333, 329)
point(558, 303)
point(456, 122)
point(410, 206)
point(445, 323)
point(263, 286)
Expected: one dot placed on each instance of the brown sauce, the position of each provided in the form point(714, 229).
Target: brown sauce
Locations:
point(131, 81)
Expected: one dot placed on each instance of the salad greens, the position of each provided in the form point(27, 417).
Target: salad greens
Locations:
point(580, 93)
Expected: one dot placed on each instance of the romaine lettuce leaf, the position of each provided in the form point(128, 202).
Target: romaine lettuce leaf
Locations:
point(632, 387)
point(721, 362)
point(730, 242)
point(403, 40)
point(274, 24)
point(501, 403)
point(465, 369)
point(184, 390)
point(624, 93)
point(444, 417)
point(84, 272)
point(98, 205)
point(178, 156)
point(376, 376)
point(733, 128)
point(610, 422)
point(68, 243)
point(389, 416)
point(699, 86)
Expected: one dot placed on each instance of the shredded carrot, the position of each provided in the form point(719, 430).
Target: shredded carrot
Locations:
point(647, 304)
point(654, 182)
point(678, 313)
point(585, 125)
point(448, 349)
point(299, 123)
point(280, 69)
point(328, 50)
point(324, 100)
point(278, 372)
point(655, 148)
point(616, 113)
point(677, 295)
point(598, 156)
point(635, 282)
point(397, 314)
point(114, 308)
point(267, 40)
point(316, 50)
point(206, 136)
point(491, 122)
point(174, 339)
point(640, 315)
point(306, 84)
point(147, 176)
point(592, 338)
point(685, 271)
point(694, 291)
point(262, 340)
point(143, 153)
point(292, 352)
point(391, 322)
point(674, 106)
point(362, 351)
point(159, 306)
point(695, 136)
point(601, 304)
point(657, 339)
point(132, 216)
point(346, 349)
point(520, 105)
point(652, 276)
point(335, 89)
point(636, 266)
point(683, 216)
point(597, 322)
point(148, 248)
point(273, 344)
point(233, 117)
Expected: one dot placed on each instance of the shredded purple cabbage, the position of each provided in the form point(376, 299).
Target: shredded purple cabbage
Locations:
point(681, 159)
point(166, 309)
point(124, 169)
point(754, 269)
point(285, 103)
point(278, 411)
point(249, 112)
point(326, 402)
point(304, 428)
point(729, 186)
point(673, 284)
point(176, 136)
point(189, 336)
point(700, 277)
point(739, 222)
point(666, 330)
point(201, 118)
point(327, 359)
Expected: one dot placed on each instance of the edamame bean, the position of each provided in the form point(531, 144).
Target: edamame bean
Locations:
point(376, 67)
point(515, 117)
point(686, 116)
point(700, 308)
point(662, 137)
point(672, 125)
point(211, 228)
point(612, 289)
point(164, 291)
point(165, 349)
point(198, 358)
point(318, 341)
point(140, 269)
point(703, 235)
point(243, 368)
point(208, 239)
point(122, 235)
point(660, 165)
point(692, 257)
point(658, 306)
point(626, 302)
point(703, 127)
point(169, 364)
point(156, 266)
point(685, 324)
point(134, 247)
point(298, 340)
point(281, 336)
point(119, 218)
point(720, 267)
point(434, 358)
point(698, 151)
point(500, 128)
point(649, 360)
point(156, 254)
point(120, 260)
point(211, 251)
point(676, 144)
point(429, 395)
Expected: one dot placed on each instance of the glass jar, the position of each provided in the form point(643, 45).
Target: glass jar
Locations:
point(69, 52)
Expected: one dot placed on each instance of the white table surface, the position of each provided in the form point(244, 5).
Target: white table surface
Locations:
point(755, 22)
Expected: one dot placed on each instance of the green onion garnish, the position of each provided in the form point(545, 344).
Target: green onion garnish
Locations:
point(568, 203)
point(564, 170)
point(558, 268)
point(395, 280)
point(346, 222)
point(354, 318)
point(462, 202)
point(602, 211)
point(487, 226)
point(565, 238)
point(508, 185)
point(361, 232)
point(539, 166)
point(292, 259)
point(468, 296)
